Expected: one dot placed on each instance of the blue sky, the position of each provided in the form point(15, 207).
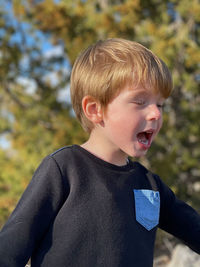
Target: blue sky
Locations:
point(16, 38)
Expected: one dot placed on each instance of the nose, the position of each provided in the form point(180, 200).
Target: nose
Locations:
point(154, 112)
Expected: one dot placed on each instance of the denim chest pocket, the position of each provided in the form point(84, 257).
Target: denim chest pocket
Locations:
point(147, 207)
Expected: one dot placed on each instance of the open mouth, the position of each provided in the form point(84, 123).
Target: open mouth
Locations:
point(145, 137)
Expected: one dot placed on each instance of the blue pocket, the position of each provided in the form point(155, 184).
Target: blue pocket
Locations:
point(147, 207)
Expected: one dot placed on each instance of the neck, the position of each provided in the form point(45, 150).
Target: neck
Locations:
point(105, 151)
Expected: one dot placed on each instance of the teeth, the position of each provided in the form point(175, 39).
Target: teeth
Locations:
point(145, 142)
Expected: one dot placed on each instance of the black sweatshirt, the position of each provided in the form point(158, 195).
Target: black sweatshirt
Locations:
point(80, 211)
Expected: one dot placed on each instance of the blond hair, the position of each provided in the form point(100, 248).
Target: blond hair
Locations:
point(105, 68)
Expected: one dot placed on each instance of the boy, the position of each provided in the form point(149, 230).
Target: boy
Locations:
point(89, 205)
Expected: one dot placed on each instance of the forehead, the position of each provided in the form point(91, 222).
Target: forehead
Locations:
point(143, 91)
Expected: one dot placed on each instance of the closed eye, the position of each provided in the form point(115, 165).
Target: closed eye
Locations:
point(139, 102)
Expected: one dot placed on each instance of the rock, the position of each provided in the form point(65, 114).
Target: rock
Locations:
point(182, 256)
point(161, 261)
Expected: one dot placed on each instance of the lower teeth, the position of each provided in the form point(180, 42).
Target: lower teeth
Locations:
point(144, 142)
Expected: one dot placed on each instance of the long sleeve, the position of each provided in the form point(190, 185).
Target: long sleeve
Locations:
point(179, 219)
point(36, 209)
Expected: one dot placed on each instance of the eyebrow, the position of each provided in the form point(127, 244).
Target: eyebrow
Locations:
point(140, 92)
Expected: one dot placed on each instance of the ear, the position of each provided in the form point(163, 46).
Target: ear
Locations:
point(92, 109)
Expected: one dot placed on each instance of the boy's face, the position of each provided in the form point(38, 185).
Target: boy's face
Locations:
point(132, 120)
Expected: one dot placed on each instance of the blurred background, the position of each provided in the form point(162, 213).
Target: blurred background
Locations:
point(39, 41)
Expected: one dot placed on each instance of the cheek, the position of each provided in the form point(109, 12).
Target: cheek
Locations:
point(118, 128)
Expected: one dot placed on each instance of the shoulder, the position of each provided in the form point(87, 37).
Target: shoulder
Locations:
point(62, 151)
point(55, 161)
point(65, 158)
point(63, 154)
point(153, 179)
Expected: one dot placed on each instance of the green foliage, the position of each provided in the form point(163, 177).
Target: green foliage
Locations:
point(33, 119)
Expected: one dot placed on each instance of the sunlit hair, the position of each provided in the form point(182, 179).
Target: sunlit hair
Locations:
point(105, 68)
